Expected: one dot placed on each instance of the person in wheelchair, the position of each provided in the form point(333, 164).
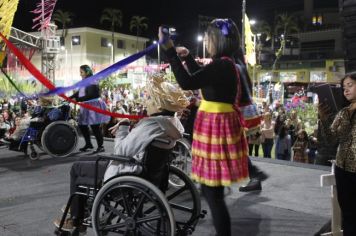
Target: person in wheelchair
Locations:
point(4, 127)
point(165, 100)
point(23, 123)
point(14, 140)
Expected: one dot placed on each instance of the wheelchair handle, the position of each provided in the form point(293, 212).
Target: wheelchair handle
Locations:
point(109, 156)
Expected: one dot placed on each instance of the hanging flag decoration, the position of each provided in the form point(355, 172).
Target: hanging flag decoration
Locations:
point(250, 45)
point(44, 10)
point(7, 13)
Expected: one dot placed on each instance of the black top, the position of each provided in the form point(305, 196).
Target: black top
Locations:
point(217, 80)
point(91, 92)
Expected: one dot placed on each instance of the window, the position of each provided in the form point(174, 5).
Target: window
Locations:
point(104, 42)
point(120, 44)
point(76, 40)
point(317, 19)
point(62, 41)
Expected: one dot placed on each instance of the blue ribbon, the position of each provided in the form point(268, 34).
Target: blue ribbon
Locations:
point(102, 74)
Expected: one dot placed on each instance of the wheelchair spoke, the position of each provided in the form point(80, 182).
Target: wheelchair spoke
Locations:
point(113, 227)
point(126, 203)
point(182, 208)
point(139, 206)
point(114, 210)
point(176, 193)
point(148, 219)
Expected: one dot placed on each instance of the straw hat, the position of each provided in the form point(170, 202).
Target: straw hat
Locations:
point(46, 101)
point(164, 95)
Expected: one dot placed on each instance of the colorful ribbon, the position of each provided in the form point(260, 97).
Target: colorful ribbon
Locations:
point(48, 84)
point(12, 83)
point(102, 74)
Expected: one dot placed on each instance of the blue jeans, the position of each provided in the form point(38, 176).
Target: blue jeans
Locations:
point(267, 147)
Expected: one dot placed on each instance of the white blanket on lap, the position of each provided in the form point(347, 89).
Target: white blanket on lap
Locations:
point(134, 143)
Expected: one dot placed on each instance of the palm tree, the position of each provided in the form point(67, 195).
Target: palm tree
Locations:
point(64, 18)
point(263, 28)
point(114, 17)
point(138, 23)
point(285, 25)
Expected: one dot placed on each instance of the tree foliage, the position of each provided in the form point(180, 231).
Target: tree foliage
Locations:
point(64, 18)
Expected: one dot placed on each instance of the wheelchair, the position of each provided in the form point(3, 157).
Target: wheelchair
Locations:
point(51, 132)
point(141, 203)
point(181, 158)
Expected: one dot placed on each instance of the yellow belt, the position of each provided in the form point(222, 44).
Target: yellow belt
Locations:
point(215, 107)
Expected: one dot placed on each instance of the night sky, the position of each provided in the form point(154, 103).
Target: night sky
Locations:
point(182, 14)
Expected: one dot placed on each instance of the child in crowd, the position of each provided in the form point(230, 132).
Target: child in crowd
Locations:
point(300, 147)
point(312, 147)
point(254, 142)
point(283, 144)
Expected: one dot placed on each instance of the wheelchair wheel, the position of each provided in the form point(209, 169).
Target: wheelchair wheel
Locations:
point(130, 205)
point(181, 158)
point(184, 201)
point(59, 139)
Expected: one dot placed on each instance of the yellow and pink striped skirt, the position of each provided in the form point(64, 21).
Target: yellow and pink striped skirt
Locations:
point(220, 148)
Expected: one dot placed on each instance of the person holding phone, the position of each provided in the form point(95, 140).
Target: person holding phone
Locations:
point(343, 129)
point(220, 148)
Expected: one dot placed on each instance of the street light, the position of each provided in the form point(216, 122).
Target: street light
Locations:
point(74, 40)
point(66, 62)
point(112, 52)
point(199, 39)
point(158, 52)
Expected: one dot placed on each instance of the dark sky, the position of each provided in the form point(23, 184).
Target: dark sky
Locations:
point(183, 14)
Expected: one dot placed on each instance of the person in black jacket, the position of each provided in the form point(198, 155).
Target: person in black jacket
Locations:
point(90, 95)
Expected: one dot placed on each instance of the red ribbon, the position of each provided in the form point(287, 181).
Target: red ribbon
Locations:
point(48, 84)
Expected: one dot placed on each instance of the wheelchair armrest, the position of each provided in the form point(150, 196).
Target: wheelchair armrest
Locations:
point(186, 135)
point(114, 157)
point(161, 140)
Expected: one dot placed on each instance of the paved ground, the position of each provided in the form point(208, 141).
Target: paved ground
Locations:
point(291, 203)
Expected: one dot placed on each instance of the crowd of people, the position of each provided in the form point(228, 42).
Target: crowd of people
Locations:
point(218, 126)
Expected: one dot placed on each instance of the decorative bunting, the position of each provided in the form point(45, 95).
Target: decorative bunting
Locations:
point(7, 13)
point(44, 12)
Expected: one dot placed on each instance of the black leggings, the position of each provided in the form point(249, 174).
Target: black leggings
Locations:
point(346, 195)
point(96, 131)
point(221, 217)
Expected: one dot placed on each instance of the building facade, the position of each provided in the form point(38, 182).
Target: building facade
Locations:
point(93, 47)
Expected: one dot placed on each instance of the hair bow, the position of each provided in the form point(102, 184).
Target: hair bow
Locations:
point(224, 25)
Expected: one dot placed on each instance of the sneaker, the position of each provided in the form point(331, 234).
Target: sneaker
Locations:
point(86, 147)
point(253, 185)
point(4, 141)
point(67, 225)
point(99, 149)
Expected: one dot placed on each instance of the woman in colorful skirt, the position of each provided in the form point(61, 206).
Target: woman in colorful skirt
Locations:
point(90, 95)
point(220, 148)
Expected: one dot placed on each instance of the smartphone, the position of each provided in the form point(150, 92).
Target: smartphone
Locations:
point(331, 95)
